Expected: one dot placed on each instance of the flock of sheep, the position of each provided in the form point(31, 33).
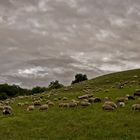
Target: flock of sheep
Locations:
point(42, 103)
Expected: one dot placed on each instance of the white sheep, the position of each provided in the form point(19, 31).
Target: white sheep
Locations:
point(30, 108)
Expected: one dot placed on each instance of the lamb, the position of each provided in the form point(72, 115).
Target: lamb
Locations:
point(44, 107)
point(30, 108)
point(136, 107)
point(108, 107)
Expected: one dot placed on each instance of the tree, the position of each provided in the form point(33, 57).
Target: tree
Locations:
point(79, 78)
point(55, 85)
point(38, 89)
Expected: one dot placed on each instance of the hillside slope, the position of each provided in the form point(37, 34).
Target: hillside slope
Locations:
point(79, 123)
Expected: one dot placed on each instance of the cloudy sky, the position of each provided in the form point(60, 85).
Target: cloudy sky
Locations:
point(45, 40)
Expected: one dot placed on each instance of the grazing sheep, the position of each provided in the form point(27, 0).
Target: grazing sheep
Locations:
point(7, 107)
point(130, 97)
point(44, 107)
point(85, 103)
point(21, 104)
point(63, 105)
point(65, 98)
point(86, 96)
point(91, 100)
point(6, 112)
point(55, 99)
point(97, 100)
point(107, 99)
point(111, 104)
point(37, 103)
point(30, 108)
point(50, 103)
point(136, 107)
point(85, 100)
point(121, 104)
point(121, 99)
point(72, 104)
point(108, 107)
point(137, 93)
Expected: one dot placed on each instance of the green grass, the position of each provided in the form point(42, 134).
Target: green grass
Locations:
point(81, 123)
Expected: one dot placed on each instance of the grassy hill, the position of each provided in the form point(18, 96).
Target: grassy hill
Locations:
point(80, 123)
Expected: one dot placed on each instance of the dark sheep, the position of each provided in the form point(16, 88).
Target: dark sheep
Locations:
point(131, 98)
point(137, 94)
point(6, 112)
point(97, 100)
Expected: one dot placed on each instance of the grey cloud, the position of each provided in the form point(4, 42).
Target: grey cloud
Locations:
point(54, 39)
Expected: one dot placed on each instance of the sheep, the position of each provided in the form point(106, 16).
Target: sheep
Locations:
point(65, 98)
point(75, 101)
point(72, 104)
point(6, 112)
point(44, 107)
point(37, 103)
point(121, 99)
point(63, 105)
point(130, 97)
point(85, 103)
point(50, 103)
point(85, 100)
point(55, 99)
point(85, 96)
point(7, 107)
point(121, 104)
point(111, 104)
point(137, 93)
point(20, 104)
point(136, 107)
point(97, 100)
point(91, 100)
point(106, 99)
point(30, 108)
point(108, 107)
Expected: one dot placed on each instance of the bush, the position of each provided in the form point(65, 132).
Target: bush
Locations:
point(3, 96)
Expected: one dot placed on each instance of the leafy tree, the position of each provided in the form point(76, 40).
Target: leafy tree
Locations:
point(38, 89)
point(55, 85)
point(79, 78)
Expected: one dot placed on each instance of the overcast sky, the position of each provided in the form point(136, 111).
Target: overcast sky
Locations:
point(45, 40)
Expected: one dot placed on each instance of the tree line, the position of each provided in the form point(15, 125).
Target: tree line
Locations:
point(9, 91)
